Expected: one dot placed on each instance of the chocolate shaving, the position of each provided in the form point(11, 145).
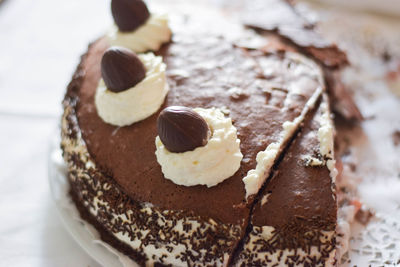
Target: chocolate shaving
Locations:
point(396, 137)
point(364, 215)
point(340, 99)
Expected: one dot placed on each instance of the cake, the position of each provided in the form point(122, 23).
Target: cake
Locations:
point(262, 191)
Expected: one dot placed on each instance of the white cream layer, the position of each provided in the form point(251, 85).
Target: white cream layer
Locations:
point(208, 165)
point(136, 103)
point(148, 37)
point(325, 137)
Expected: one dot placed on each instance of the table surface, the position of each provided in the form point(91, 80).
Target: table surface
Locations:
point(41, 41)
point(40, 45)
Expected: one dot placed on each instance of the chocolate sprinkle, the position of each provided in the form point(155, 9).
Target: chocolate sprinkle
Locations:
point(396, 138)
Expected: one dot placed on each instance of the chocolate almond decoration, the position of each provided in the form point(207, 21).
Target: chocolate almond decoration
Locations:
point(121, 69)
point(129, 14)
point(181, 129)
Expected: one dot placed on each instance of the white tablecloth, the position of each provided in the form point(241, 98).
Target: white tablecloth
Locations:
point(40, 44)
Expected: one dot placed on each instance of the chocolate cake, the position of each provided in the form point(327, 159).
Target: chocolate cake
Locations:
point(276, 97)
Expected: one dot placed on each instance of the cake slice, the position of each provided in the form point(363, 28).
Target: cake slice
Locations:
point(294, 218)
point(298, 30)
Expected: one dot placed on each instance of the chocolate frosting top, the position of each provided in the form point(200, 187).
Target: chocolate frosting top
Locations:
point(261, 91)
